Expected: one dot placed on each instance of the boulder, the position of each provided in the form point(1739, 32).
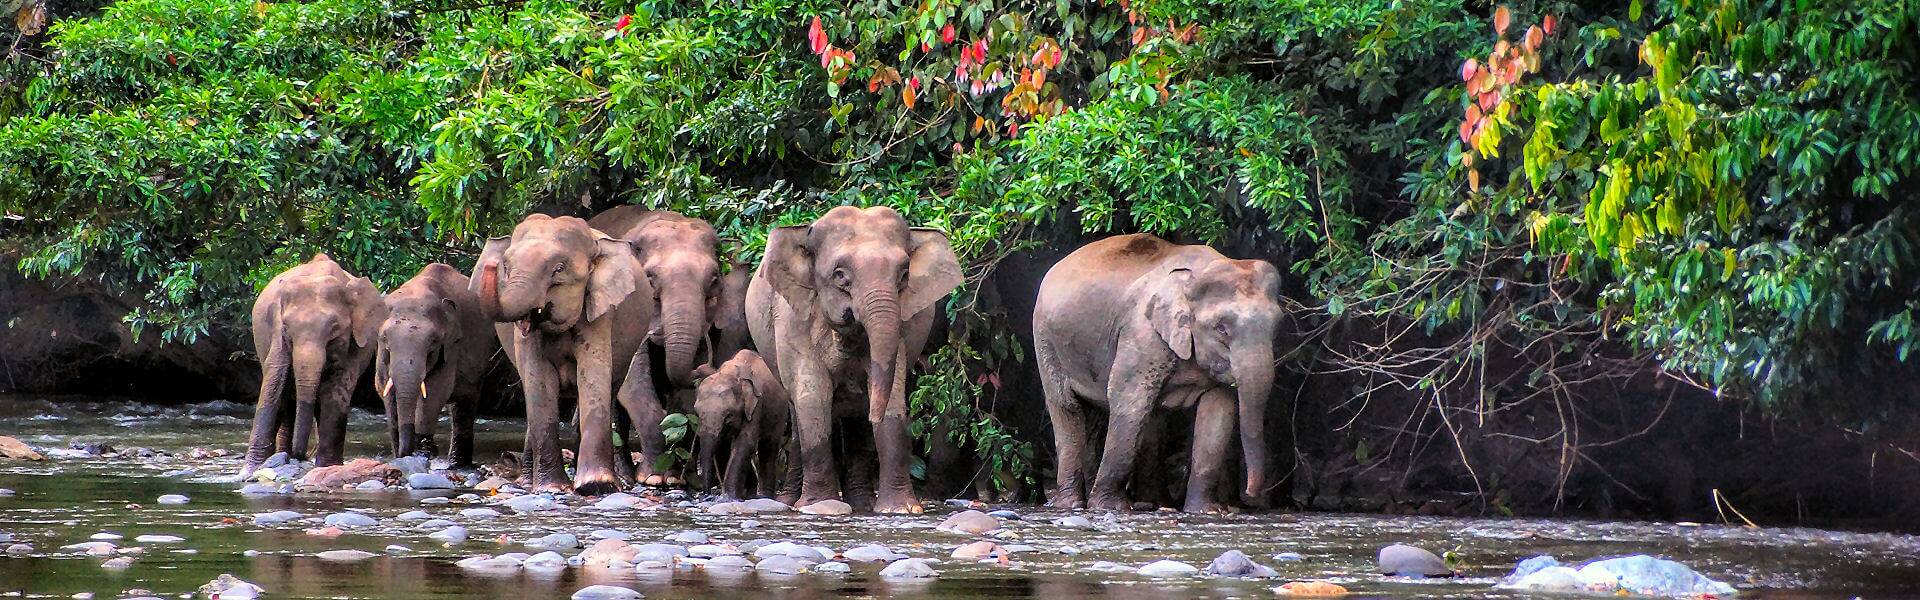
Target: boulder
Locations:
point(827, 507)
point(1407, 561)
point(414, 515)
point(871, 553)
point(545, 560)
point(531, 503)
point(909, 568)
point(832, 567)
point(350, 520)
point(226, 586)
point(429, 481)
point(16, 449)
point(979, 550)
point(556, 541)
point(1234, 563)
point(971, 522)
point(765, 505)
point(691, 536)
point(1641, 575)
point(1167, 568)
point(730, 561)
point(606, 592)
point(1074, 521)
point(354, 472)
point(409, 465)
point(605, 552)
point(665, 553)
point(451, 535)
point(781, 565)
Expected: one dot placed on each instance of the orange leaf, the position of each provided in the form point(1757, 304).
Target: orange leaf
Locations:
point(1466, 132)
point(907, 97)
point(1502, 17)
point(1469, 69)
point(1473, 179)
point(817, 36)
point(1473, 113)
point(1535, 36)
point(1549, 23)
point(979, 123)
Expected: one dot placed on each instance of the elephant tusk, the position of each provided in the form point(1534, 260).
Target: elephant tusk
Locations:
point(423, 389)
point(387, 390)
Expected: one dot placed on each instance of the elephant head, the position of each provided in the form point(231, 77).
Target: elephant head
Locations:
point(679, 256)
point(730, 398)
point(553, 273)
point(1224, 316)
point(863, 268)
point(423, 323)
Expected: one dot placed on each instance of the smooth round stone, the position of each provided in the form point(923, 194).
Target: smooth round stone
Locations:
point(172, 499)
point(617, 500)
point(691, 536)
point(730, 561)
point(832, 567)
point(610, 534)
point(118, 562)
point(658, 552)
point(350, 520)
point(781, 565)
point(1409, 561)
point(410, 465)
point(479, 513)
point(651, 565)
point(808, 553)
point(1167, 568)
point(414, 515)
point(909, 568)
point(263, 488)
point(434, 524)
point(766, 505)
point(398, 549)
point(1234, 563)
point(1107, 566)
point(605, 592)
point(345, 555)
point(371, 485)
point(970, 522)
point(20, 549)
point(250, 553)
point(563, 541)
point(977, 550)
point(436, 500)
point(467, 497)
point(105, 536)
point(709, 551)
point(429, 481)
point(871, 553)
point(1005, 514)
point(531, 503)
point(1074, 521)
point(545, 560)
point(94, 548)
point(489, 563)
point(775, 549)
point(159, 539)
point(827, 507)
point(452, 535)
point(1288, 557)
point(749, 524)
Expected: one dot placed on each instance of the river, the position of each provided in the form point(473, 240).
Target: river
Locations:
point(64, 501)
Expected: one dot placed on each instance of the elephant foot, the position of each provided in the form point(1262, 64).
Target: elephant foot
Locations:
point(1207, 507)
point(596, 484)
point(1109, 502)
point(809, 500)
point(788, 499)
point(1067, 502)
point(898, 504)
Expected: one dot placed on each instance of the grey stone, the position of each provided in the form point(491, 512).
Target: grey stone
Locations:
point(398, 549)
point(617, 500)
point(831, 567)
point(1167, 568)
point(827, 507)
point(970, 522)
point(275, 517)
point(781, 565)
point(451, 535)
point(775, 549)
point(429, 481)
point(1005, 514)
point(264, 488)
point(159, 539)
point(371, 485)
point(345, 555)
point(106, 537)
point(410, 465)
point(1408, 561)
point(766, 505)
point(665, 553)
point(350, 520)
point(749, 524)
point(226, 587)
point(414, 515)
point(710, 551)
point(489, 563)
point(606, 592)
point(691, 536)
point(545, 560)
point(871, 553)
point(730, 561)
point(172, 499)
point(909, 568)
point(1234, 563)
point(1288, 557)
point(558, 541)
point(1074, 521)
point(436, 500)
point(479, 513)
point(434, 524)
point(531, 503)
point(610, 534)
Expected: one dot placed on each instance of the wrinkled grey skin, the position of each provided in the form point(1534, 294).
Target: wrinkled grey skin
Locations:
point(315, 322)
point(1135, 324)
point(742, 406)
point(434, 345)
point(843, 303)
point(571, 309)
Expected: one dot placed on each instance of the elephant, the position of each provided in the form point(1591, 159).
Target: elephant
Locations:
point(743, 397)
point(844, 302)
point(317, 322)
point(697, 306)
point(434, 345)
point(1135, 324)
point(571, 307)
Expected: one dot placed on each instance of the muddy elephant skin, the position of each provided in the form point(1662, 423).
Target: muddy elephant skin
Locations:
point(433, 347)
point(745, 412)
point(316, 324)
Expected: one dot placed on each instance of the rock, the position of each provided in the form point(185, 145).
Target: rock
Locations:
point(728, 508)
point(970, 522)
point(118, 562)
point(665, 553)
point(354, 472)
point(809, 554)
point(408, 466)
point(775, 549)
point(106, 537)
point(249, 553)
point(1005, 514)
point(545, 560)
point(765, 505)
point(20, 549)
point(730, 561)
point(159, 539)
point(782, 565)
point(651, 565)
point(278, 459)
point(93, 548)
point(1074, 521)
point(909, 568)
point(345, 555)
point(489, 563)
point(429, 481)
point(172, 499)
point(1234, 563)
point(710, 550)
point(434, 524)
point(610, 534)
point(832, 567)
point(227, 587)
point(1638, 574)
point(1310, 589)
point(557, 541)
point(606, 592)
point(479, 513)
point(350, 520)
point(1167, 568)
point(871, 553)
point(827, 507)
point(16, 449)
point(691, 536)
point(451, 535)
point(1018, 548)
point(749, 524)
point(531, 503)
point(606, 552)
point(492, 483)
point(617, 500)
point(414, 515)
point(979, 550)
point(467, 497)
point(436, 500)
point(1288, 557)
point(1407, 561)
point(4, 492)
point(1551, 579)
point(397, 549)
point(265, 488)
point(371, 485)
point(1528, 567)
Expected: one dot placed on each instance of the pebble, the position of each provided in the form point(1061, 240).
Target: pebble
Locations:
point(93, 548)
point(345, 555)
point(730, 561)
point(20, 549)
point(492, 483)
point(781, 565)
point(832, 567)
point(414, 515)
point(978, 550)
point(488, 563)
point(1005, 514)
point(479, 513)
point(558, 541)
point(871, 553)
point(1321, 589)
point(1289, 557)
point(531, 503)
point(398, 549)
point(250, 553)
point(605, 592)
point(970, 522)
point(1074, 521)
point(1408, 561)
point(665, 553)
point(82, 596)
point(710, 551)
point(545, 560)
point(467, 497)
point(429, 481)
point(172, 499)
point(617, 500)
point(350, 520)
point(809, 554)
point(909, 568)
point(1167, 568)
point(434, 524)
point(610, 534)
point(105, 536)
point(228, 587)
point(118, 562)
point(159, 539)
point(451, 535)
point(265, 488)
point(749, 524)
point(4, 492)
point(650, 565)
point(1234, 563)
point(827, 507)
point(775, 549)
point(436, 500)
point(371, 485)
point(410, 465)
point(691, 536)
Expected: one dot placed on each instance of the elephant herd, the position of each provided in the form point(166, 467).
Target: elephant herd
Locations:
point(839, 310)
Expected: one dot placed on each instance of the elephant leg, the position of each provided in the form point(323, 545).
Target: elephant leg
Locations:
point(858, 459)
point(460, 442)
point(766, 467)
point(1124, 427)
point(813, 430)
point(1070, 447)
point(332, 422)
point(739, 459)
point(269, 427)
point(1148, 483)
point(393, 418)
point(895, 485)
point(641, 402)
point(789, 492)
point(440, 388)
point(595, 472)
point(541, 465)
point(1213, 431)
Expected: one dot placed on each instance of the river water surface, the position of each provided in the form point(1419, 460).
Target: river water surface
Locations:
point(64, 501)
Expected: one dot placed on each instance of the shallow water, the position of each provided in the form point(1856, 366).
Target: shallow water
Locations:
point(64, 501)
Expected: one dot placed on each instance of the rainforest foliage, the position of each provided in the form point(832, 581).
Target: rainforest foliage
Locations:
point(1719, 189)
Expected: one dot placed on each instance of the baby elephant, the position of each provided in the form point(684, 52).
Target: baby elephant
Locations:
point(744, 400)
point(313, 324)
point(434, 346)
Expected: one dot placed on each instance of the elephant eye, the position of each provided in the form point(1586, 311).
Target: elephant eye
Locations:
point(840, 277)
point(1221, 328)
point(559, 267)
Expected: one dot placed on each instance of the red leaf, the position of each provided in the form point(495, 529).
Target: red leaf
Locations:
point(1468, 69)
point(1466, 132)
point(946, 34)
point(1502, 17)
point(907, 96)
point(1535, 36)
point(621, 25)
point(1013, 128)
point(817, 37)
point(1549, 23)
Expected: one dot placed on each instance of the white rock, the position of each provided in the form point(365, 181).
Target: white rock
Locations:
point(871, 553)
point(710, 550)
point(610, 534)
point(617, 500)
point(429, 481)
point(531, 503)
point(775, 549)
point(479, 513)
point(371, 485)
point(730, 561)
point(1168, 568)
point(691, 536)
point(781, 565)
point(909, 568)
point(105, 536)
point(827, 507)
point(398, 549)
point(414, 515)
point(606, 592)
point(275, 517)
point(345, 555)
point(172, 499)
point(350, 520)
point(489, 563)
point(451, 535)
point(831, 567)
point(558, 541)
point(545, 560)
point(159, 539)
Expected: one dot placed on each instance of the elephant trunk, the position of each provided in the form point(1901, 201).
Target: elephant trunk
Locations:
point(523, 294)
point(406, 382)
point(309, 364)
point(880, 313)
point(489, 274)
point(1253, 378)
point(706, 455)
point(683, 324)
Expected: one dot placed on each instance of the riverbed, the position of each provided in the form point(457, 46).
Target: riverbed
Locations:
point(67, 500)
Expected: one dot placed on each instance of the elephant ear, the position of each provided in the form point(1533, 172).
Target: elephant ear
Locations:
point(749, 398)
point(1171, 313)
point(613, 277)
point(727, 306)
point(932, 271)
point(368, 311)
point(789, 263)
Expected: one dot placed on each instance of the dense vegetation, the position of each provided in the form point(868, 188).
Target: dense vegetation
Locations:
point(1719, 189)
